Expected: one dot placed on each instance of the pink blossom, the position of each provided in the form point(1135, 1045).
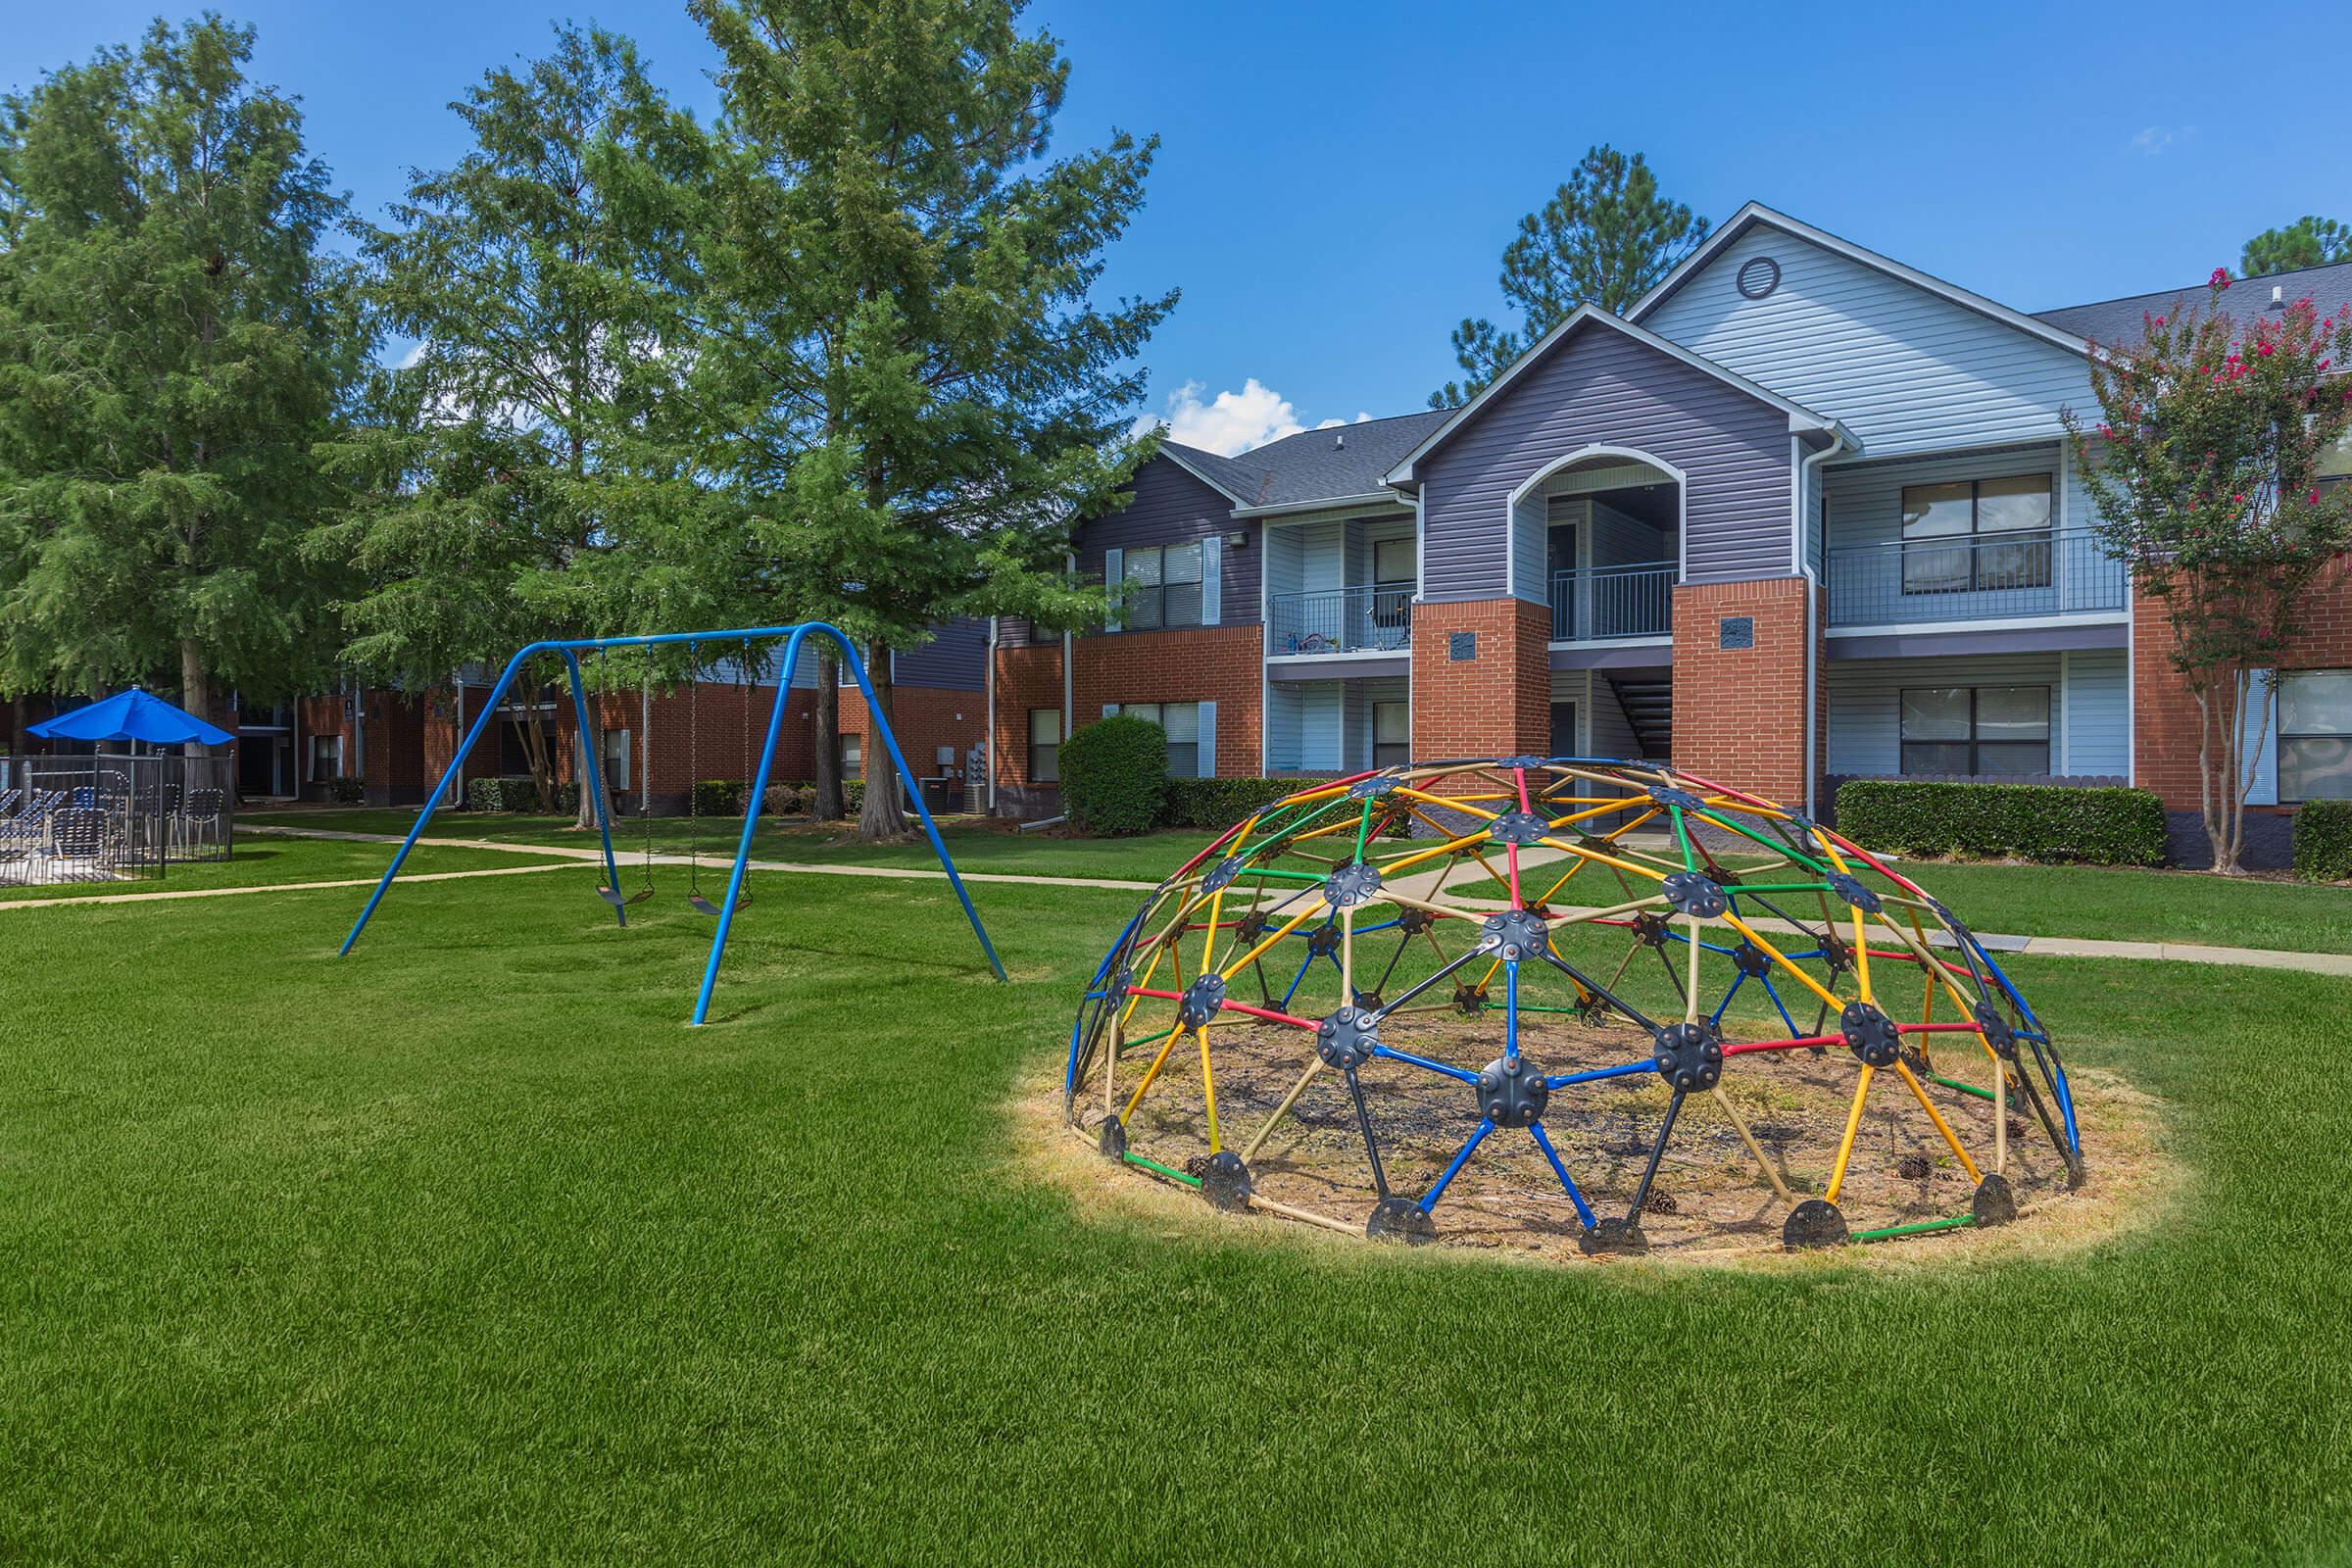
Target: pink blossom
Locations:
point(2263, 347)
point(2220, 278)
point(2311, 500)
point(2240, 500)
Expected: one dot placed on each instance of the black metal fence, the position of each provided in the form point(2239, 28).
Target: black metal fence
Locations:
point(109, 817)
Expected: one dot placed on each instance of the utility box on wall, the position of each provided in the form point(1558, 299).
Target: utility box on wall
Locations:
point(1461, 647)
point(1735, 632)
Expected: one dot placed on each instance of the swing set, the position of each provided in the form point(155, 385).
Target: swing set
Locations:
point(738, 891)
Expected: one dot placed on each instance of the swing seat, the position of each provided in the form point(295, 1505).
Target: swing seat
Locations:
point(616, 899)
point(702, 906)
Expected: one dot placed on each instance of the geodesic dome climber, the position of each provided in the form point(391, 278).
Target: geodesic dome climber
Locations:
point(1586, 1003)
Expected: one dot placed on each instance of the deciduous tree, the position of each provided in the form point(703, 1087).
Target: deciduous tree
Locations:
point(2204, 464)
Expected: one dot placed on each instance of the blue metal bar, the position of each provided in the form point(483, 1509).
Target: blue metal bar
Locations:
point(432, 802)
point(767, 757)
point(1794, 1032)
point(1722, 1007)
point(1393, 1054)
point(1584, 1210)
point(1429, 1199)
point(794, 634)
point(1304, 965)
point(1595, 1074)
point(595, 783)
point(1510, 1009)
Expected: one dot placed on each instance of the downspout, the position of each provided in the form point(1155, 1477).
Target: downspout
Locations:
point(1069, 714)
point(1808, 469)
point(988, 741)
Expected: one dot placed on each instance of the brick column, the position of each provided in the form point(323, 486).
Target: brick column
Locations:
point(1496, 702)
point(1026, 678)
point(1740, 709)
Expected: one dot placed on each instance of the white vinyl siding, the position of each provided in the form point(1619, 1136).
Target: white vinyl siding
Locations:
point(2089, 722)
point(1904, 369)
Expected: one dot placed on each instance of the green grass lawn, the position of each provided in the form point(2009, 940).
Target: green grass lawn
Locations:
point(465, 1247)
point(2019, 900)
point(977, 846)
point(261, 860)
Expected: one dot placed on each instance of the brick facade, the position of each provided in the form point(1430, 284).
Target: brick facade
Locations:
point(1739, 712)
point(1497, 703)
point(1221, 664)
point(2165, 720)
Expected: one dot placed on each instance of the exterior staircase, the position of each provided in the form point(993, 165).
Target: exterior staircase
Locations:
point(1648, 704)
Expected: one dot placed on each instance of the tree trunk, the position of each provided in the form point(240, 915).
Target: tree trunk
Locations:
point(827, 808)
point(590, 743)
point(195, 689)
point(537, 756)
point(882, 815)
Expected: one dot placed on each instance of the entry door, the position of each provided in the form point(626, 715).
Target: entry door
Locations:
point(1563, 729)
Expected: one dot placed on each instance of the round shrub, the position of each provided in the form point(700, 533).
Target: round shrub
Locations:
point(2323, 841)
point(1114, 775)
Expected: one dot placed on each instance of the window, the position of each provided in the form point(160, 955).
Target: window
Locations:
point(1392, 734)
point(1162, 585)
point(852, 753)
point(2315, 735)
point(1182, 721)
point(1045, 745)
point(1976, 730)
point(1392, 562)
point(616, 760)
point(1391, 590)
point(2336, 464)
point(1977, 534)
point(326, 757)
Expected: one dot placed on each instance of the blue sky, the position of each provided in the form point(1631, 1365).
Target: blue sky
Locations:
point(1336, 182)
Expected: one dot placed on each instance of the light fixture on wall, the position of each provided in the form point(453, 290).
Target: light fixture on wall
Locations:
point(1239, 539)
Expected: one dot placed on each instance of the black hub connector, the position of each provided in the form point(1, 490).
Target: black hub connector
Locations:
point(1346, 1039)
point(1202, 1000)
point(1514, 933)
point(1689, 1055)
point(1815, 1222)
point(1400, 1219)
point(1871, 1035)
point(1850, 888)
point(1350, 885)
point(1522, 828)
point(1511, 1092)
point(1695, 893)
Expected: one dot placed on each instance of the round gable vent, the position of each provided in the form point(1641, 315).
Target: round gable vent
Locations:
point(1758, 276)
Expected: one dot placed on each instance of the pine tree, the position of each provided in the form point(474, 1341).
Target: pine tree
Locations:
point(919, 393)
point(2305, 243)
point(1604, 237)
point(172, 342)
point(531, 472)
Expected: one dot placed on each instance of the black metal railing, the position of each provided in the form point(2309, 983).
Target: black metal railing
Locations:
point(1341, 621)
point(1629, 601)
point(2043, 572)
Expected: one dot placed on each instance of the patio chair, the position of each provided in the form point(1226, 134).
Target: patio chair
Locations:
point(83, 847)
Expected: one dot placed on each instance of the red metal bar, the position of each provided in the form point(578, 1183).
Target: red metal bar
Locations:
point(1783, 1045)
point(1269, 1014)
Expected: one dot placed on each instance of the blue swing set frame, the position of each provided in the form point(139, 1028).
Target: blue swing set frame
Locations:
point(572, 648)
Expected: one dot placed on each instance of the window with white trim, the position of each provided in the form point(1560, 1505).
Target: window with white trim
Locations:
point(1976, 730)
point(1045, 745)
point(326, 757)
point(1392, 734)
point(1161, 586)
point(1182, 721)
point(2315, 735)
point(1978, 534)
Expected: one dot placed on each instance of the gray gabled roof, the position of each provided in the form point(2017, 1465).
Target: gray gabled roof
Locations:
point(1345, 462)
point(2246, 301)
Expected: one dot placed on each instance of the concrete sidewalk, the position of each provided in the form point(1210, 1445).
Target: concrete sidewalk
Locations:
point(2333, 964)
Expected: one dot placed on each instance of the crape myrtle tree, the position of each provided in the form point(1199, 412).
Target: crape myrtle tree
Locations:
point(530, 472)
point(1605, 236)
point(918, 390)
point(2204, 464)
point(173, 341)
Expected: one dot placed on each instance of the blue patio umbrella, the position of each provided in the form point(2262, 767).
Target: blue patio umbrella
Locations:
point(131, 716)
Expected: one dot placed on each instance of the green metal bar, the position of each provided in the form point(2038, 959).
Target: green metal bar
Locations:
point(1966, 1089)
point(1363, 828)
point(1781, 887)
point(1154, 1165)
point(1777, 849)
point(1890, 1232)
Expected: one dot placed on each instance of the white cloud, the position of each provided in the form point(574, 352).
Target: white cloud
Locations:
point(1231, 422)
point(2153, 139)
point(1361, 417)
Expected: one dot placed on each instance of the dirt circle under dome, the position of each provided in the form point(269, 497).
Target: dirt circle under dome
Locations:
point(1381, 1007)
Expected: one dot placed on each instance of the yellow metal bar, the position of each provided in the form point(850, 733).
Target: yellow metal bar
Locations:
point(1393, 866)
point(1944, 1127)
point(1150, 1073)
point(1861, 957)
point(1854, 1125)
point(1237, 966)
point(1451, 802)
point(1208, 1091)
point(1606, 859)
point(1835, 1003)
point(1208, 938)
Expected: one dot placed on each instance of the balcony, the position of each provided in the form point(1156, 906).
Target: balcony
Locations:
point(1341, 621)
point(2047, 571)
point(1635, 599)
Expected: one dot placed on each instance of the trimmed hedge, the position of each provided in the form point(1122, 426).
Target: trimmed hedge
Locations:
point(516, 795)
point(1219, 802)
point(345, 790)
point(2323, 841)
point(1114, 775)
point(2048, 822)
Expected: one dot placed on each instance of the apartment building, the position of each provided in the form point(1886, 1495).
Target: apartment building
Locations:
point(1803, 513)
